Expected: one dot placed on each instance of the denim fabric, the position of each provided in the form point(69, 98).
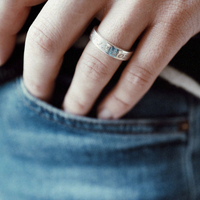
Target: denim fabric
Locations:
point(46, 154)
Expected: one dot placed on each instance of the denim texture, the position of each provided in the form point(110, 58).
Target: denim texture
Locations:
point(46, 154)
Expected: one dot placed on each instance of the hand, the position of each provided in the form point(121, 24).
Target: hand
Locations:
point(164, 27)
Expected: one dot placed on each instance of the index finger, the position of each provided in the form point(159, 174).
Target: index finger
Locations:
point(13, 16)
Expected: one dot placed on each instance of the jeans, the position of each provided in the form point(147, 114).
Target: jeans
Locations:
point(152, 153)
point(46, 154)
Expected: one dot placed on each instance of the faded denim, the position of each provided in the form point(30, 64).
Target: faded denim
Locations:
point(46, 154)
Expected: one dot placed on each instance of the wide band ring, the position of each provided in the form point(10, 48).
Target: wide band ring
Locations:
point(107, 47)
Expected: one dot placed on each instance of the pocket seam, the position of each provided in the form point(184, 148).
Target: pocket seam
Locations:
point(128, 126)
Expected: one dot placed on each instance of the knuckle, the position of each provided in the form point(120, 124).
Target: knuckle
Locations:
point(40, 90)
point(93, 68)
point(139, 78)
point(124, 104)
point(76, 105)
point(177, 19)
point(34, 88)
point(40, 38)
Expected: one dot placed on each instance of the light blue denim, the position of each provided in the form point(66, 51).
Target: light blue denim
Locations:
point(46, 154)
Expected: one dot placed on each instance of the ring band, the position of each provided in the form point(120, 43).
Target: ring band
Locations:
point(108, 47)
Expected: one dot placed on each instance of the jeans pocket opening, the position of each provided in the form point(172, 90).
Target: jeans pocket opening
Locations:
point(136, 126)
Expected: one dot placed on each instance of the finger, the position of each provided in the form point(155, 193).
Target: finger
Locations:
point(55, 29)
point(95, 68)
point(13, 16)
point(156, 49)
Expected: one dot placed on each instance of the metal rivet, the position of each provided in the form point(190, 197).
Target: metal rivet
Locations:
point(184, 126)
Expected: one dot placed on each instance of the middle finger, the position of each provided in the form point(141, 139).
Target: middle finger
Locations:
point(55, 29)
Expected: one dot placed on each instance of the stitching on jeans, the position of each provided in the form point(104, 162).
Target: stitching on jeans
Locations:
point(128, 122)
point(23, 98)
point(189, 149)
point(85, 129)
point(73, 126)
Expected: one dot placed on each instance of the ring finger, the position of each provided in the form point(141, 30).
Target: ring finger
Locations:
point(95, 68)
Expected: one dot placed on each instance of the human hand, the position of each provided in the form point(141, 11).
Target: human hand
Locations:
point(164, 27)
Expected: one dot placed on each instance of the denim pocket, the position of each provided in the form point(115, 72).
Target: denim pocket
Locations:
point(80, 157)
point(125, 126)
point(44, 118)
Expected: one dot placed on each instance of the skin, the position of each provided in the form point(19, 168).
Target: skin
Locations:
point(164, 26)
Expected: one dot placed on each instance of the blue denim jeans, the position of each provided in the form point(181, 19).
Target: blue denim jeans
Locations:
point(46, 154)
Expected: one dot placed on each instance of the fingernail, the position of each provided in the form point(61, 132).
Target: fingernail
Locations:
point(105, 114)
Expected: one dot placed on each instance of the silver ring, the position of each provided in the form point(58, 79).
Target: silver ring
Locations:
point(108, 47)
